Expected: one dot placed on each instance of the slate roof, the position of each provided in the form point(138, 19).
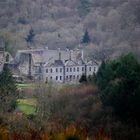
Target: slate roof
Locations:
point(45, 55)
point(56, 63)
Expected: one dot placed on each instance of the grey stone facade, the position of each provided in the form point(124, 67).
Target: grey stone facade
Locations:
point(54, 65)
point(68, 72)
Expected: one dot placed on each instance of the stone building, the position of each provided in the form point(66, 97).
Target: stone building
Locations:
point(54, 65)
point(69, 71)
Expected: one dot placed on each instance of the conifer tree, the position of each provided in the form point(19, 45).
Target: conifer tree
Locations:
point(8, 91)
point(30, 37)
point(86, 38)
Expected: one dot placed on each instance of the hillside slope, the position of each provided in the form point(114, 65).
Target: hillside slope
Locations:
point(113, 26)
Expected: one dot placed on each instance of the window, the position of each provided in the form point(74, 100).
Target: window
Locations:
point(74, 69)
point(56, 78)
point(60, 69)
point(77, 68)
point(89, 68)
point(67, 77)
point(70, 69)
point(73, 76)
point(51, 78)
point(77, 76)
point(51, 70)
point(60, 77)
point(67, 69)
point(56, 69)
point(46, 70)
point(82, 68)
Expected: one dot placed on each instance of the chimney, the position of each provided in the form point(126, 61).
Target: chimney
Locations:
point(70, 54)
point(82, 55)
point(59, 53)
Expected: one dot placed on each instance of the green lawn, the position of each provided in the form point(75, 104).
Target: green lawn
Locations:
point(27, 106)
point(22, 86)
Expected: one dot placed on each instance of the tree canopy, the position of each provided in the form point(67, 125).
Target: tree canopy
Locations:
point(8, 92)
point(119, 82)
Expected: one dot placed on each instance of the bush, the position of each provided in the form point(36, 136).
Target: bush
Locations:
point(83, 79)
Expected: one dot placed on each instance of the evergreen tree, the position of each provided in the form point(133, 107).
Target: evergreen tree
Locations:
point(30, 37)
point(83, 79)
point(86, 38)
point(8, 92)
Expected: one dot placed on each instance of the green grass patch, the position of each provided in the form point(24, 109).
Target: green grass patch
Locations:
point(30, 85)
point(27, 106)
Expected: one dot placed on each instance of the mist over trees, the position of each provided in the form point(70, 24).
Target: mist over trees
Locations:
point(113, 26)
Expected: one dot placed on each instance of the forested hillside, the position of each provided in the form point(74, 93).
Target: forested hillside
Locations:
point(113, 26)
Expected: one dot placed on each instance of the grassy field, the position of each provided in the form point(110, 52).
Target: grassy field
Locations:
point(27, 106)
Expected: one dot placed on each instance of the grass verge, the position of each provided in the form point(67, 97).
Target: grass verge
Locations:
point(27, 106)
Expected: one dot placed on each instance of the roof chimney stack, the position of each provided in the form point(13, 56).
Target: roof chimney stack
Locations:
point(59, 52)
point(82, 55)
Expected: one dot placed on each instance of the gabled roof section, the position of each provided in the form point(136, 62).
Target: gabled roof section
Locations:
point(92, 63)
point(80, 62)
point(70, 63)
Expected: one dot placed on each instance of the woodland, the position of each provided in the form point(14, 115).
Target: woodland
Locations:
point(113, 26)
